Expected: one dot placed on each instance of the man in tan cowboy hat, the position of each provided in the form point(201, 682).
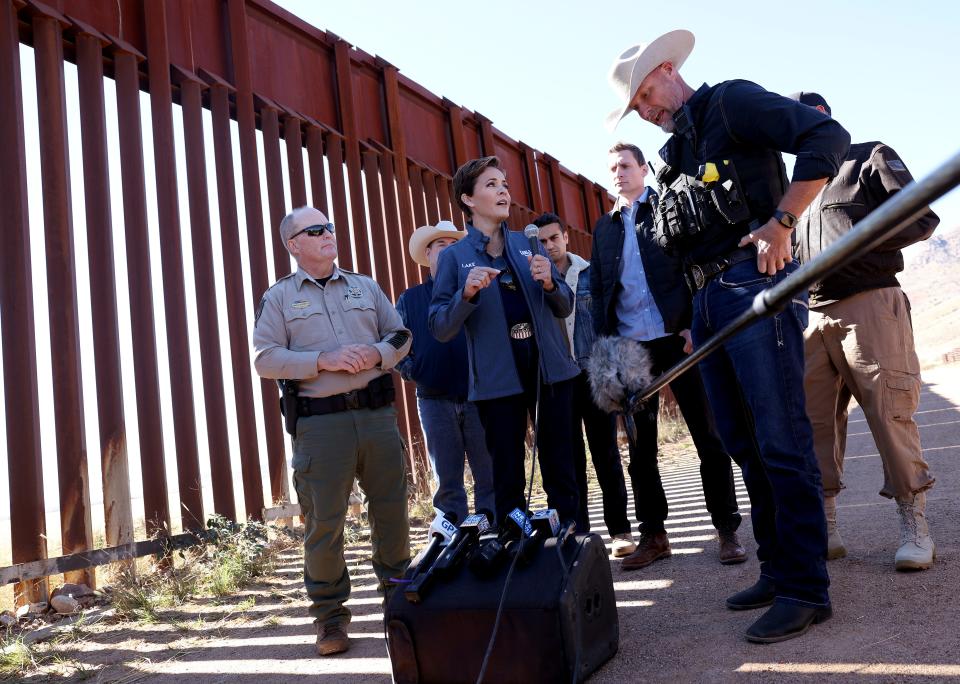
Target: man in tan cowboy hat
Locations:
point(450, 423)
point(724, 157)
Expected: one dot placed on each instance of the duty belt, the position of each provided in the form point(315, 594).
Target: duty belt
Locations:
point(521, 331)
point(377, 394)
point(698, 275)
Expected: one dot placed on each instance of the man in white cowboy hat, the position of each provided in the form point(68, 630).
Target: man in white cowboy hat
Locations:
point(724, 158)
point(450, 423)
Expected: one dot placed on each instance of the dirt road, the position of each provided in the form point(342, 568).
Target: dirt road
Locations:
point(887, 626)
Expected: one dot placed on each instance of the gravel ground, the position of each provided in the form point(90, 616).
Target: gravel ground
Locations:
point(887, 626)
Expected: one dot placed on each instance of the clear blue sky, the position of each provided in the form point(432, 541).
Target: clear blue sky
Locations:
point(538, 69)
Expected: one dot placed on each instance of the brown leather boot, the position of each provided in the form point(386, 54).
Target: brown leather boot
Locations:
point(651, 547)
point(731, 550)
point(332, 639)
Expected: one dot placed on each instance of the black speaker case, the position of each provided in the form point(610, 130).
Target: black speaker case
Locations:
point(555, 627)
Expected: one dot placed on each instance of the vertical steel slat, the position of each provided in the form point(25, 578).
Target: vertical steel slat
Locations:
point(397, 246)
point(239, 339)
point(459, 148)
point(486, 135)
point(75, 526)
point(348, 123)
point(556, 178)
point(253, 210)
point(293, 136)
point(334, 145)
point(171, 266)
point(318, 183)
point(533, 182)
point(397, 249)
point(270, 125)
point(381, 258)
point(444, 190)
point(419, 211)
point(146, 375)
point(208, 327)
point(391, 90)
point(21, 408)
point(419, 198)
point(430, 190)
point(115, 470)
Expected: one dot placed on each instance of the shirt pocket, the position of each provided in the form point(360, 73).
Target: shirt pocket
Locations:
point(360, 318)
point(309, 329)
point(837, 218)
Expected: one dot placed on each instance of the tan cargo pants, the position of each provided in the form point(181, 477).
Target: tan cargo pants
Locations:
point(862, 346)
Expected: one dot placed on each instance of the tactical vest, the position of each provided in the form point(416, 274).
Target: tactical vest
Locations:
point(726, 185)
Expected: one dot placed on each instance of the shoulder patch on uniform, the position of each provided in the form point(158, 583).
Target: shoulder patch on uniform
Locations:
point(256, 316)
point(896, 165)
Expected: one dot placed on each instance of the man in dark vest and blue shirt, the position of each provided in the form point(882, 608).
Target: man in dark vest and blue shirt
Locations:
point(638, 292)
point(859, 343)
point(728, 211)
point(450, 423)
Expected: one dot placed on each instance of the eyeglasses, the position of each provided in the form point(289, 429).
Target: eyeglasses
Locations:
point(314, 231)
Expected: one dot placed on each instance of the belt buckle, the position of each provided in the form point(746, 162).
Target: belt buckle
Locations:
point(351, 400)
point(521, 331)
point(699, 278)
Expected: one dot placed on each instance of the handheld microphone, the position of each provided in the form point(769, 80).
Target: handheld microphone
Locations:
point(533, 235)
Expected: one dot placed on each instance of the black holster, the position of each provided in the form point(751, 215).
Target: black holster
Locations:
point(288, 404)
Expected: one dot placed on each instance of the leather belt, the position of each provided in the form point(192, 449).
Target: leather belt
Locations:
point(521, 331)
point(698, 275)
point(377, 394)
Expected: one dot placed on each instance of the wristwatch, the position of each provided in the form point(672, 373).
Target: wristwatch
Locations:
point(785, 218)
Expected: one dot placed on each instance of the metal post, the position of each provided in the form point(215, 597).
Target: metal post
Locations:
point(75, 526)
point(115, 471)
point(221, 475)
point(28, 530)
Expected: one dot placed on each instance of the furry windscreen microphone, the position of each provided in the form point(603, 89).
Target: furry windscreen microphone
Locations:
point(618, 367)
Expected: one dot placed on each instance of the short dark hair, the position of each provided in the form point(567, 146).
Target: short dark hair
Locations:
point(466, 176)
point(624, 146)
point(546, 218)
point(811, 99)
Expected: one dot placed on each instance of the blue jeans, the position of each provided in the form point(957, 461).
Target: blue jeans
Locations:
point(755, 386)
point(453, 428)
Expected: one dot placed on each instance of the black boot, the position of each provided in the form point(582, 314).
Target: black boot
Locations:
point(758, 596)
point(785, 621)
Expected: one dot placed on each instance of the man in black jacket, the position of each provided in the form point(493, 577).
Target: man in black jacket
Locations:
point(638, 292)
point(859, 343)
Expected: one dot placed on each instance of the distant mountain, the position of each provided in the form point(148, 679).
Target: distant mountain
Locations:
point(931, 280)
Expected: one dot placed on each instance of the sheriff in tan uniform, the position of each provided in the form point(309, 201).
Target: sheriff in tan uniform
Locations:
point(337, 335)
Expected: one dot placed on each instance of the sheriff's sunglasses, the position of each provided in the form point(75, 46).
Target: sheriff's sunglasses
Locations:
point(314, 231)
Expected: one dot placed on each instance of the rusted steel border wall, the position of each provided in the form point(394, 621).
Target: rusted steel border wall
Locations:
point(380, 151)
